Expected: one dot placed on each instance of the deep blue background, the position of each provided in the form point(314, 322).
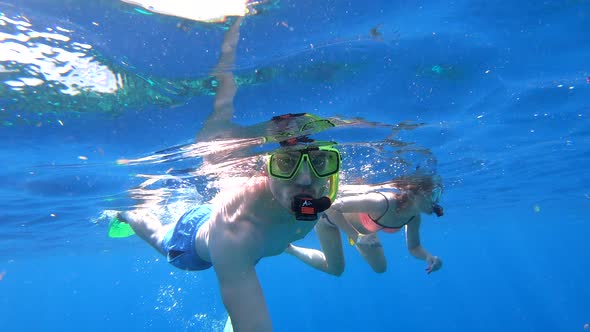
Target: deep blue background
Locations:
point(510, 135)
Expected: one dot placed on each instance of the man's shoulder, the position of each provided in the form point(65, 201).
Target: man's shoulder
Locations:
point(235, 238)
point(230, 188)
point(257, 183)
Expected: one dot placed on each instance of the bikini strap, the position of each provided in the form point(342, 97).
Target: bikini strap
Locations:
point(328, 221)
point(376, 221)
point(386, 210)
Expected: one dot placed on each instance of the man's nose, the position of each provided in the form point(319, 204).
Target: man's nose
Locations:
point(304, 175)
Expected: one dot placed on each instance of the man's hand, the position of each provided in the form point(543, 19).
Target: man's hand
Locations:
point(434, 264)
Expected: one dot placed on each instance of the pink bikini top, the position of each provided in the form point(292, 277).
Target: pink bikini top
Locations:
point(370, 225)
point(373, 225)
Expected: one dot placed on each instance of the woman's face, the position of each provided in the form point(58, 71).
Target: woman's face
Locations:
point(428, 199)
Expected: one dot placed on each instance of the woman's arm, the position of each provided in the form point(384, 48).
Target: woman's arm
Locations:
point(416, 249)
point(373, 203)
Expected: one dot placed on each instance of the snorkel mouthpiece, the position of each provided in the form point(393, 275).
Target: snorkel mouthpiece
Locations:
point(307, 208)
point(438, 210)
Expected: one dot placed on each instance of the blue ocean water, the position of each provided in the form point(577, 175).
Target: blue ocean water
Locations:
point(501, 90)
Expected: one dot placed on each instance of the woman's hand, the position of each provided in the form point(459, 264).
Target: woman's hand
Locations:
point(434, 264)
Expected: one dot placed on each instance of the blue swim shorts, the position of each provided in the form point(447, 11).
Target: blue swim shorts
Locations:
point(179, 243)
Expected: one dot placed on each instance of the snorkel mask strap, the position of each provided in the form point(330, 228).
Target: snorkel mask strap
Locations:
point(333, 189)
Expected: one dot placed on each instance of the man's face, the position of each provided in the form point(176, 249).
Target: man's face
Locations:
point(304, 182)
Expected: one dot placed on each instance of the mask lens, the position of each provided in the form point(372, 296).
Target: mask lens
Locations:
point(324, 162)
point(436, 192)
point(284, 164)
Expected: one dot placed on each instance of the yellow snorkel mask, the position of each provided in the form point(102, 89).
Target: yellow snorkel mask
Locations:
point(324, 162)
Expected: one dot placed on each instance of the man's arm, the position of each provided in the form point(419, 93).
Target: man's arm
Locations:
point(243, 298)
point(416, 249)
point(223, 106)
point(331, 258)
point(233, 250)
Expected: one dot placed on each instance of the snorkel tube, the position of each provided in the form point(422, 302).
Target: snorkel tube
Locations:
point(436, 193)
point(306, 208)
point(438, 210)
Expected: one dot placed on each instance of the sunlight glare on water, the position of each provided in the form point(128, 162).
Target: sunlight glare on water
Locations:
point(35, 58)
point(203, 11)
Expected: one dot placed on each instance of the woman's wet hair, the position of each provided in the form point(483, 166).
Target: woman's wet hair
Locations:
point(411, 187)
